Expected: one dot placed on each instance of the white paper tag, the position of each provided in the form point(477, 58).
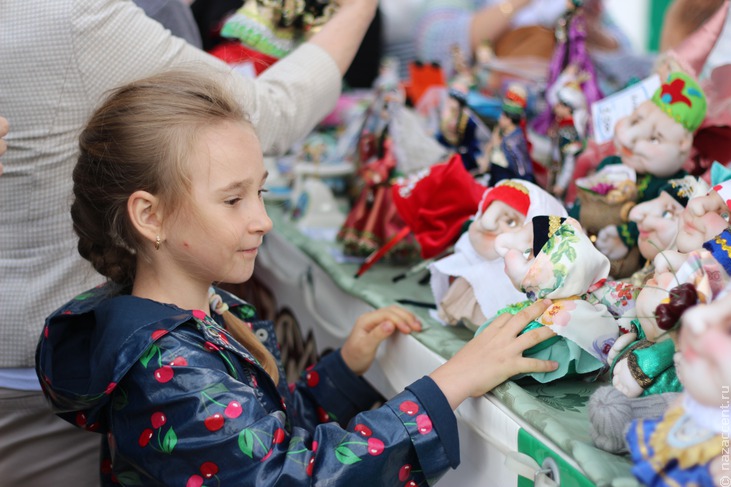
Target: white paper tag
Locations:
point(606, 112)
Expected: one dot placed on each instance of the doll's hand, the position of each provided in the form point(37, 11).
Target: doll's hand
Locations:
point(623, 381)
point(609, 243)
point(494, 356)
point(370, 330)
point(620, 344)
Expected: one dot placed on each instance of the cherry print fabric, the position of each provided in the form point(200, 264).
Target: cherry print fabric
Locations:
point(180, 402)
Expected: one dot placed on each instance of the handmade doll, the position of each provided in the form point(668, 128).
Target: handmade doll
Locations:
point(570, 50)
point(275, 27)
point(688, 445)
point(508, 148)
point(551, 257)
point(459, 128)
point(471, 284)
point(568, 132)
point(657, 221)
point(654, 141)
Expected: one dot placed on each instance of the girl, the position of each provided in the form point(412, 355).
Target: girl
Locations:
point(184, 383)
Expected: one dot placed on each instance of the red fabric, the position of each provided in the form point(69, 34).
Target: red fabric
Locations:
point(437, 205)
point(234, 52)
point(506, 193)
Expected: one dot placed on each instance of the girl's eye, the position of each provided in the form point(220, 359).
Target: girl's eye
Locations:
point(232, 201)
point(654, 139)
point(262, 191)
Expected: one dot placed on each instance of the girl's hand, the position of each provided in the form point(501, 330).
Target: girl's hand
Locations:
point(370, 330)
point(494, 356)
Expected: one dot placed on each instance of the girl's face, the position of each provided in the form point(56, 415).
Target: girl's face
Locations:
point(517, 249)
point(657, 221)
point(497, 219)
point(703, 218)
point(216, 234)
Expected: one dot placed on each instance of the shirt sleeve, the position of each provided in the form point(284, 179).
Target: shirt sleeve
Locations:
point(211, 417)
point(116, 43)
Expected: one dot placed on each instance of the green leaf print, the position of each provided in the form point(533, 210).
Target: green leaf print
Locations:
point(170, 440)
point(246, 442)
point(149, 354)
point(346, 456)
point(129, 478)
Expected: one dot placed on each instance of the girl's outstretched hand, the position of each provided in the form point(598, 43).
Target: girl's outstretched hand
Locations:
point(494, 356)
point(370, 330)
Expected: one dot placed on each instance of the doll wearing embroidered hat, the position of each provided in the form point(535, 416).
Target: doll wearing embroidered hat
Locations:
point(688, 444)
point(471, 284)
point(655, 141)
point(508, 146)
point(551, 257)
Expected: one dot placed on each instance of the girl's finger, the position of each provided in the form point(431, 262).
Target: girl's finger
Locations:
point(534, 365)
point(534, 337)
point(516, 324)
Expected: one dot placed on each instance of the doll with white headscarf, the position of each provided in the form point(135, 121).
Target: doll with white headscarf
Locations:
point(470, 285)
point(551, 257)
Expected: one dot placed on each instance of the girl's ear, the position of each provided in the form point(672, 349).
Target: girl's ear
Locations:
point(145, 213)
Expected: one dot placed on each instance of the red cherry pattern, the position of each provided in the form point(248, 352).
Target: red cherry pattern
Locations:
point(313, 378)
point(310, 466)
point(194, 481)
point(423, 424)
point(209, 469)
point(233, 410)
point(278, 436)
point(145, 437)
point(179, 361)
point(363, 430)
point(404, 472)
point(158, 419)
point(266, 457)
point(411, 483)
point(375, 446)
point(409, 407)
point(158, 333)
point(164, 374)
point(214, 422)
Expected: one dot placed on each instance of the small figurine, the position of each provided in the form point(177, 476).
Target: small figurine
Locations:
point(570, 50)
point(551, 257)
point(567, 132)
point(458, 128)
point(688, 444)
point(471, 285)
point(657, 221)
point(508, 148)
point(654, 141)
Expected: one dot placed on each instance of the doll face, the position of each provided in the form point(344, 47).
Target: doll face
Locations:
point(517, 249)
point(650, 142)
point(657, 221)
point(703, 360)
point(703, 218)
point(652, 294)
point(562, 111)
point(497, 219)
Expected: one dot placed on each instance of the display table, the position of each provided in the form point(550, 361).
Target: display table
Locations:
point(505, 436)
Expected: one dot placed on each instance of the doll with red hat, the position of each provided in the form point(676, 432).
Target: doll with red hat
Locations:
point(470, 285)
point(551, 257)
point(507, 151)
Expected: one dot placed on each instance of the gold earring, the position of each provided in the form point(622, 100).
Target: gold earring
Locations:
point(157, 243)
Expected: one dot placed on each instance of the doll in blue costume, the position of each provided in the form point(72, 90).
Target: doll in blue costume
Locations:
point(688, 444)
point(551, 257)
point(655, 141)
point(459, 130)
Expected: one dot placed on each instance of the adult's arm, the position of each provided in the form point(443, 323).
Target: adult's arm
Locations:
point(115, 43)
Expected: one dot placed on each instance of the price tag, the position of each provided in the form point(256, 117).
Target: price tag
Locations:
point(606, 112)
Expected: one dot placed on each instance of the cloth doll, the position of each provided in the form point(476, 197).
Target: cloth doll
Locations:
point(655, 141)
point(275, 27)
point(657, 221)
point(688, 445)
point(568, 132)
point(471, 284)
point(570, 50)
point(459, 128)
point(508, 149)
point(551, 257)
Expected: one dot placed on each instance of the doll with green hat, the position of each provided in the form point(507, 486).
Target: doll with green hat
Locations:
point(655, 141)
